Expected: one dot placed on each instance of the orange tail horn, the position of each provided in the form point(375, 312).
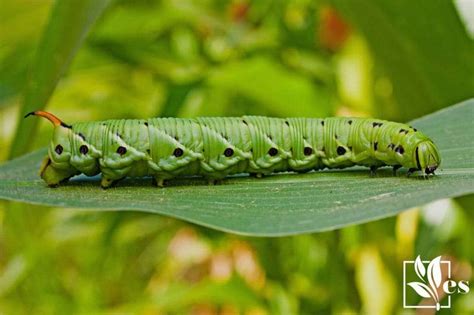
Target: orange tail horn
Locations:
point(55, 120)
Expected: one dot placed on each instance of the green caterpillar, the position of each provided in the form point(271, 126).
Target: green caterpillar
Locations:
point(213, 148)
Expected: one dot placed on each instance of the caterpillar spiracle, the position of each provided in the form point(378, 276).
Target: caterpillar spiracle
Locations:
point(213, 147)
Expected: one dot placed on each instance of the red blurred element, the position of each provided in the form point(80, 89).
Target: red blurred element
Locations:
point(333, 30)
point(238, 10)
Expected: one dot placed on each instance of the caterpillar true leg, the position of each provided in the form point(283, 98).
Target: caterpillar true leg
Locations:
point(373, 170)
point(411, 171)
point(395, 168)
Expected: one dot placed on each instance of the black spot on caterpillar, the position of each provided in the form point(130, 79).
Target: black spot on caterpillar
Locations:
point(341, 151)
point(121, 150)
point(400, 149)
point(83, 149)
point(272, 151)
point(178, 152)
point(59, 149)
point(216, 147)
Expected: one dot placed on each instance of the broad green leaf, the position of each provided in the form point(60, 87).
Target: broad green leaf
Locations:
point(422, 52)
point(276, 205)
point(66, 29)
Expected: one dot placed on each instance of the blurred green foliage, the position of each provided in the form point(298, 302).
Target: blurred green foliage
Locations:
point(392, 59)
point(421, 48)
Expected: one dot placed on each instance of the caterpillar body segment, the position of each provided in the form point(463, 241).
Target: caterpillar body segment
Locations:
point(214, 147)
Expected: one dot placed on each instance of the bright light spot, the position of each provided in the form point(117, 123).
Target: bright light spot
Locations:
point(436, 213)
point(466, 12)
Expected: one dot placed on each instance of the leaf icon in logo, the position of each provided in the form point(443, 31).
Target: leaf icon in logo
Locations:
point(434, 277)
point(422, 289)
point(434, 272)
point(420, 268)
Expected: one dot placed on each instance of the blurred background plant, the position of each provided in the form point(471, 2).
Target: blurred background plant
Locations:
point(396, 60)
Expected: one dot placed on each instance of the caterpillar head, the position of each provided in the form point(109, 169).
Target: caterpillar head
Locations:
point(427, 157)
point(56, 167)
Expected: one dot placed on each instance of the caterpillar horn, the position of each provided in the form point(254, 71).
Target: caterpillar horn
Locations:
point(53, 119)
